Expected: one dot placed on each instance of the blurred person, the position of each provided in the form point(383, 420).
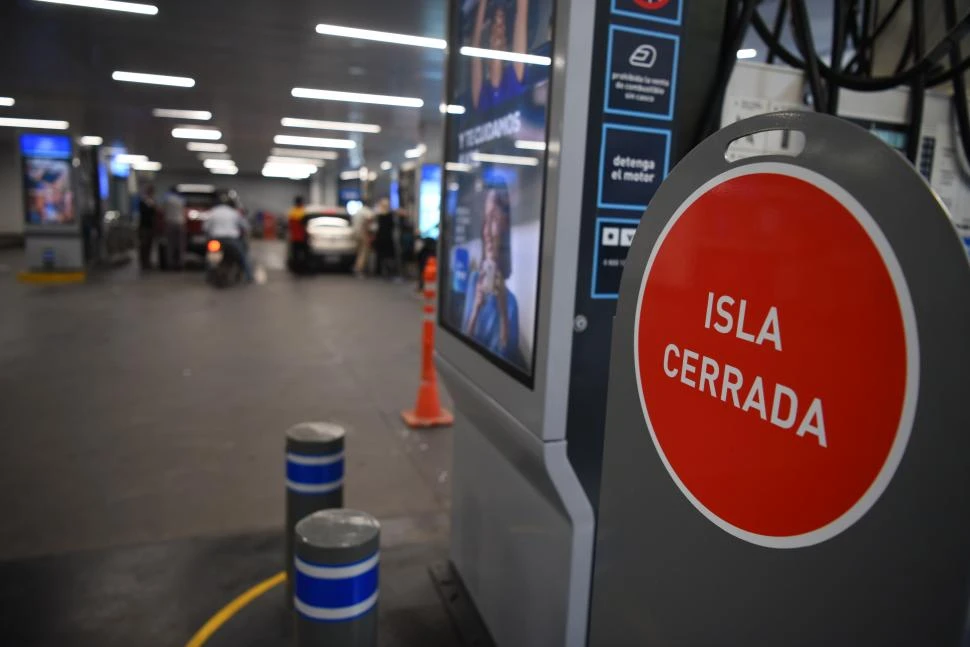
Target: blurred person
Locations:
point(384, 244)
point(226, 224)
point(405, 242)
point(173, 208)
point(494, 80)
point(362, 221)
point(147, 223)
point(496, 266)
point(297, 234)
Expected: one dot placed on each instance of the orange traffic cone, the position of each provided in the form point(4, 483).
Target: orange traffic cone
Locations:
point(427, 410)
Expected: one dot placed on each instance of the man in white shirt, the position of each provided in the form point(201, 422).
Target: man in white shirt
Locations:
point(173, 206)
point(227, 225)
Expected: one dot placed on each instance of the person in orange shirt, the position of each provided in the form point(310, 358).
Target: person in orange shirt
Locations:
point(296, 225)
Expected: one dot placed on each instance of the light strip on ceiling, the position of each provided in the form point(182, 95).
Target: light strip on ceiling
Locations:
point(109, 5)
point(276, 159)
point(292, 122)
point(147, 166)
point(382, 36)
point(7, 101)
point(505, 159)
point(91, 140)
point(417, 151)
point(196, 133)
point(500, 55)
point(458, 167)
point(168, 113)
point(217, 163)
point(214, 156)
point(350, 175)
point(747, 53)
point(153, 79)
point(357, 97)
point(530, 145)
point(295, 169)
point(206, 147)
point(195, 188)
point(17, 122)
point(451, 109)
point(224, 171)
point(283, 173)
point(297, 152)
point(125, 158)
point(319, 142)
point(386, 166)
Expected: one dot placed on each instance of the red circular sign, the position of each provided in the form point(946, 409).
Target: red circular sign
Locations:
point(776, 355)
point(652, 5)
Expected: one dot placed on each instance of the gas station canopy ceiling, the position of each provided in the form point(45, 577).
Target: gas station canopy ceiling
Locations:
point(245, 57)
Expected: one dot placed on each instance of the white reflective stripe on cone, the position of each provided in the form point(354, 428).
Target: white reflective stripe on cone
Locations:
point(336, 572)
point(318, 488)
point(343, 613)
point(304, 459)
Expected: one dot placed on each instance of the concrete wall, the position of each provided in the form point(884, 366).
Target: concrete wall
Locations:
point(11, 187)
point(256, 192)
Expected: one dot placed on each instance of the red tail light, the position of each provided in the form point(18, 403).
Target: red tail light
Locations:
point(214, 246)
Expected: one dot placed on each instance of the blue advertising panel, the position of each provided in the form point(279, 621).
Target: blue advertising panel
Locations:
point(49, 198)
point(45, 146)
point(429, 201)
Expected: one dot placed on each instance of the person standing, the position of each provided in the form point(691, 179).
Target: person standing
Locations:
point(147, 221)
point(296, 228)
point(362, 224)
point(384, 244)
point(173, 207)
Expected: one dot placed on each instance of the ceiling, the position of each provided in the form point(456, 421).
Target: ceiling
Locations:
point(245, 56)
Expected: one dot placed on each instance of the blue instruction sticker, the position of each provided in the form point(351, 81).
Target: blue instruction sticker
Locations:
point(665, 11)
point(633, 162)
point(641, 73)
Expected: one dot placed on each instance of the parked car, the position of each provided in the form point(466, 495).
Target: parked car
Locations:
point(331, 239)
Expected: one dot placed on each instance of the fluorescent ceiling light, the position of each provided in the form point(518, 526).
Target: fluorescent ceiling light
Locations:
point(224, 171)
point(298, 152)
point(459, 167)
point(293, 169)
point(16, 122)
point(319, 142)
point(195, 188)
point(747, 53)
point(198, 115)
point(515, 57)
point(214, 163)
point(153, 79)
point(290, 174)
point(505, 159)
point(382, 36)
point(214, 156)
point(196, 133)
point(451, 109)
point(91, 140)
point(530, 145)
point(7, 101)
point(125, 158)
point(356, 97)
point(350, 175)
point(417, 151)
point(292, 122)
point(206, 147)
point(386, 166)
point(109, 5)
point(276, 159)
point(147, 166)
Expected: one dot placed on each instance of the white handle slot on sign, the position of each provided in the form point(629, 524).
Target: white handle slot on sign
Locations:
point(766, 142)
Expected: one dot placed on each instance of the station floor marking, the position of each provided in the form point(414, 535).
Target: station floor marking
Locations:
point(227, 612)
point(51, 277)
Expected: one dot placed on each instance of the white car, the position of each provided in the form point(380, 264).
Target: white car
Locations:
point(331, 239)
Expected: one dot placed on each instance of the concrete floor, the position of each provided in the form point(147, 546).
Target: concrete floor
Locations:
point(144, 410)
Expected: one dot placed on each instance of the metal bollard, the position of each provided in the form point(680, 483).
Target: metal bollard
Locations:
point(336, 588)
point(314, 478)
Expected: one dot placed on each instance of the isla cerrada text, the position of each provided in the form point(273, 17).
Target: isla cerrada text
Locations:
point(728, 383)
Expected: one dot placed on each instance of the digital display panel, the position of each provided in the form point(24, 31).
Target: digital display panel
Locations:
point(429, 201)
point(495, 175)
point(49, 198)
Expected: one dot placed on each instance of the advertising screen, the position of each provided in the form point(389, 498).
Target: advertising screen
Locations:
point(495, 174)
point(429, 201)
point(48, 190)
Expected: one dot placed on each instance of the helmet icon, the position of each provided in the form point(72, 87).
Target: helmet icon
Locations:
point(644, 56)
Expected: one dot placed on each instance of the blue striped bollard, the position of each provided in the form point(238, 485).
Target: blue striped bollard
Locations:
point(335, 594)
point(314, 478)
